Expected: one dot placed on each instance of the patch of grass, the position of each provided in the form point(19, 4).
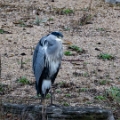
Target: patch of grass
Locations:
point(65, 103)
point(58, 91)
point(22, 24)
point(50, 19)
point(100, 29)
point(85, 19)
point(83, 89)
point(105, 56)
point(1, 31)
point(66, 28)
point(85, 74)
point(68, 11)
point(88, 102)
point(62, 83)
point(48, 96)
point(68, 95)
point(84, 9)
point(75, 48)
point(23, 80)
point(104, 82)
point(114, 93)
point(1, 87)
point(39, 21)
point(100, 97)
point(67, 53)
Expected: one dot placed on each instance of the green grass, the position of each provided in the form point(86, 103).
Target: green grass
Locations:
point(23, 80)
point(62, 83)
point(85, 74)
point(22, 24)
point(105, 56)
point(66, 28)
point(100, 97)
point(67, 53)
point(100, 29)
point(1, 87)
point(67, 95)
point(1, 31)
point(50, 19)
point(83, 89)
point(39, 21)
point(48, 96)
point(104, 82)
point(114, 93)
point(75, 48)
point(58, 91)
point(85, 19)
point(65, 103)
point(68, 11)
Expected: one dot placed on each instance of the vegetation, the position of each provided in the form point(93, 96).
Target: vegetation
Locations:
point(67, 53)
point(83, 89)
point(68, 11)
point(104, 82)
point(1, 87)
point(50, 19)
point(48, 96)
point(1, 31)
point(75, 48)
point(22, 23)
point(100, 97)
point(39, 21)
point(100, 29)
point(85, 19)
point(65, 103)
point(58, 91)
point(68, 95)
point(114, 93)
point(23, 80)
point(105, 56)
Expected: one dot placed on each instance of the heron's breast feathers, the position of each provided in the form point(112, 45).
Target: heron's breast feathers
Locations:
point(46, 85)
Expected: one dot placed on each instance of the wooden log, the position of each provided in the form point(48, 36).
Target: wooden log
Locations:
point(55, 112)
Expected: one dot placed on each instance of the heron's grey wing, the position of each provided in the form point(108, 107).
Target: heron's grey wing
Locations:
point(34, 57)
point(40, 44)
point(38, 62)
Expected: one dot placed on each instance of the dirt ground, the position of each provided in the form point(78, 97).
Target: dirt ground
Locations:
point(83, 79)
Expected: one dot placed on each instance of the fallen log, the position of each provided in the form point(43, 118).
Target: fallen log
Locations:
point(55, 112)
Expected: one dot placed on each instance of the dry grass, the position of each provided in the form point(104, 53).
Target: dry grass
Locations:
point(81, 80)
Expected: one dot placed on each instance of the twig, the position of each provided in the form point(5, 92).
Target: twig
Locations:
point(71, 60)
point(0, 65)
point(89, 8)
point(49, 25)
point(21, 63)
point(31, 50)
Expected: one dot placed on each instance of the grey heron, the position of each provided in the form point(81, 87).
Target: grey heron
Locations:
point(46, 62)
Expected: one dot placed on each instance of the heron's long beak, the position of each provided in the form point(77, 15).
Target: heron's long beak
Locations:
point(66, 42)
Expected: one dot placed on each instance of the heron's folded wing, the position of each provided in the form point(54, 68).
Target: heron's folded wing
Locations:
point(38, 62)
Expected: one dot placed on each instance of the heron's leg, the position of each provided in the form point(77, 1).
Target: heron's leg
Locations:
point(52, 95)
point(43, 108)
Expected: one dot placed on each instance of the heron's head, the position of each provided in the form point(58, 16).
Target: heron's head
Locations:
point(54, 43)
point(57, 34)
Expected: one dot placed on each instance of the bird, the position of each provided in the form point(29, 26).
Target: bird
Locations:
point(47, 59)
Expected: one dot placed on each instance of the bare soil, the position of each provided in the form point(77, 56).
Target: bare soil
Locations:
point(94, 26)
